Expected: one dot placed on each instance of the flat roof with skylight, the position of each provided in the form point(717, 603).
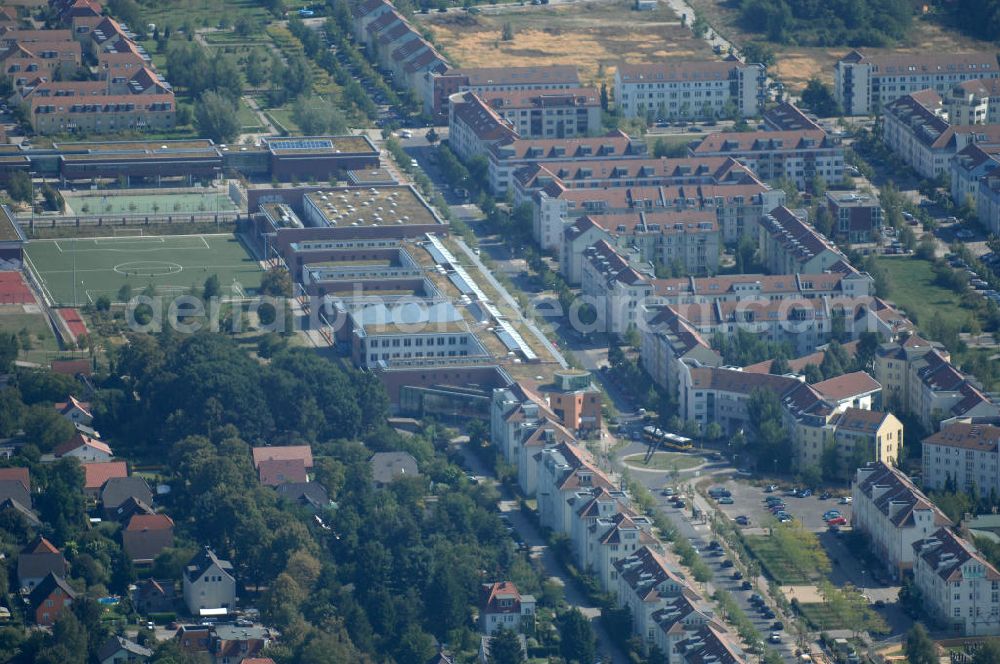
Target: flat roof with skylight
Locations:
point(368, 206)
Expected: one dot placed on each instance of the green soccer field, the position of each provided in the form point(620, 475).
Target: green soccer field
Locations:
point(159, 203)
point(172, 264)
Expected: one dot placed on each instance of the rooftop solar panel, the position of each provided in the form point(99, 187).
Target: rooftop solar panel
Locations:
point(303, 144)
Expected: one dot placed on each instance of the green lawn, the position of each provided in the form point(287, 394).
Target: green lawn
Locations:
point(775, 563)
point(913, 289)
point(665, 461)
point(823, 617)
point(248, 119)
point(171, 264)
point(43, 340)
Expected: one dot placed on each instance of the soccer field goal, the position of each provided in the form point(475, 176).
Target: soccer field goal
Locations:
point(127, 232)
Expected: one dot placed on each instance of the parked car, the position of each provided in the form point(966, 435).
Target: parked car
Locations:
point(668, 491)
point(737, 575)
point(829, 514)
point(806, 493)
point(746, 585)
point(743, 520)
point(770, 488)
point(726, 500)
point(846, 500)
point(777, 626)
point(726, 564)
point(837, 521)
point(826, 495)
point(774, 638)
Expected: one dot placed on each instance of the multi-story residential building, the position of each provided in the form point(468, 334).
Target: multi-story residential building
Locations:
point(29, 54)
point(788, 245)
point(970, 165)
point(144, 103)
point(959, 587)
point(678, 618)
point(893, 514)
point(611, 538)
point(786, 116)
point(646, 582)
point(804, 324)
point(988, 202)
point(690, 90)
point(710, 644)
point(963, 455)
point(914, 127)
point(615, 289)
point(836, 285)
point(799, 156)
point(547, 187)
point(686, 240)
point(863, 84)
point(436, 88)
point(857, 218)
point(918, 377)
point(565, 113)
point(737, 206)
point(668, 340)
point(509, 155)
point(474, 125)
point(974, 102)
point(563, 470)
point(502, 606)
point(589, 505)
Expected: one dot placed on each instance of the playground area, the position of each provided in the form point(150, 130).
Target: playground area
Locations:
point(75, 272)
point(166, 202)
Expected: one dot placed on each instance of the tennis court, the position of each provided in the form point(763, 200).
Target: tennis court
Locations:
point(158, 203)
point(172, 264)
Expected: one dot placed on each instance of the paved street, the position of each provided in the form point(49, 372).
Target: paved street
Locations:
point(540, 551)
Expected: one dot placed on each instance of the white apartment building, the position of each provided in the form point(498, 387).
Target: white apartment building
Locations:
point(690, 90)
point(508, 156)
point(676, 621)
point(612, 538)
point(616, 290)
point(502, 606)
point(552, 114)
point(669, 340)
point(863, 84)
point(988, 202)
point(893, 514)
point(974, 102)
point(914, 127)
point(646, 581)
point(473, 126)
point(688, 239)
point(589, 506)
point(970, 165)
point(798, 155)
point(563, 470)
point(964, 455)
point(960, 589)
point(788, 245)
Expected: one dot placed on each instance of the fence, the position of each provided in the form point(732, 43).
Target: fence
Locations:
point(116, 220)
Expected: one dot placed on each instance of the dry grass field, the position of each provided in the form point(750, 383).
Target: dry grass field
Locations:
point(595, 36)
point(797, 64)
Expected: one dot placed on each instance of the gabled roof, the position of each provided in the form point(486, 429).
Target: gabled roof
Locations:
point(14, 504)
point(46, 587)
point(115, 644)
point(96, 474)
point(205, 559)
point(39, 545)
point(119, 489)
point(73, 404)
point(82, 441)
point(17, 473)
point(646, 572)
point(945, 553)
point(305, 493)
point(492, 593)
point(147, 522)
point(278, 471)
point(846, 386)
point(960, 435)
point(895, 495)
point(283, 452)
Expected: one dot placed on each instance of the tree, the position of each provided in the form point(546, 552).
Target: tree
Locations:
point(9, 347)
point(507, 31)
point(818, 98)
point(316, 116)
point(19, 186)
point(713, 431)
point(505, 648)
point(211, 288)
point(759, 53)
point(779, 366)
point(988, 653)
point(46, 428)
point(919, 647)
point(216, 118)
point(576, 637)
point(276, 282)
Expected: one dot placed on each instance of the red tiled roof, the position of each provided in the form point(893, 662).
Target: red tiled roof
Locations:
point(22, 475)
point(150, 522)
point(279, 471)
point(96, 474)
point(81, 440)
point(847, 385)
point(283, 453)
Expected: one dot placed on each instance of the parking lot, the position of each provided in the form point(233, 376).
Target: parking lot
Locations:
point(748, 500)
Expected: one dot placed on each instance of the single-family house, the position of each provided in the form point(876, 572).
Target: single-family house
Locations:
point(118, 490)
point(77, 412)
point(274, 472)
point(503, 607)
point(119, 650)
point(209, 585)
point(85, 448)
point(50, 596)
point(37, 560)
point(152, 596)
point(96, 474)
point(146, 535)
point(390, 466)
